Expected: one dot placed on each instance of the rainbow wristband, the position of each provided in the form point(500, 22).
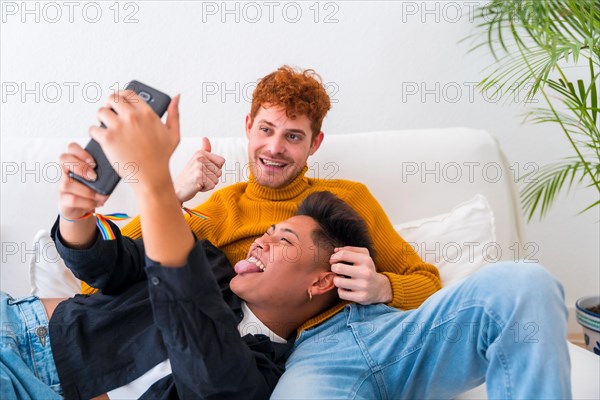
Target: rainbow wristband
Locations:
point(102, 222)
point(105, 229)
point(194, 213)
point(84, 216)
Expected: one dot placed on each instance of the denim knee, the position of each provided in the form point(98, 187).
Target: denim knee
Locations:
point(517, 280)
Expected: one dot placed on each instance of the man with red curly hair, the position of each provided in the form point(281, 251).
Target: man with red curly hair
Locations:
point(284, 130)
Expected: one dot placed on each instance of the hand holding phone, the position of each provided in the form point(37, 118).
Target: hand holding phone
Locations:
point(107, 178)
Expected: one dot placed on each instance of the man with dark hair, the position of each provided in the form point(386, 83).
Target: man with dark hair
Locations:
point(195, 331)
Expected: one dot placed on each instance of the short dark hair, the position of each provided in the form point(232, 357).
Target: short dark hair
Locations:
point(339, 224)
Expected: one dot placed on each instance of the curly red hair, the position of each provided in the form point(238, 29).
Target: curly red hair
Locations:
point(299, 92)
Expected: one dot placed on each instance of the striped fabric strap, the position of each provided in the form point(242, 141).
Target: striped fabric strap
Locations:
point(194, 213)
point(105, 230)
point(102, 224)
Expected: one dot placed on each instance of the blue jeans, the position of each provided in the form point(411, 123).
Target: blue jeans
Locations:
point(505, 325)
point(27, 369)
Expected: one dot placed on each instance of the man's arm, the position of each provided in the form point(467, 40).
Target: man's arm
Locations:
point(135, 134)
point(410, 279)
point(109, 265)
point(208, 357)
point(201, 174)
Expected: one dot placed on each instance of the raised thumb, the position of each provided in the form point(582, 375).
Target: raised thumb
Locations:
point(206, 144)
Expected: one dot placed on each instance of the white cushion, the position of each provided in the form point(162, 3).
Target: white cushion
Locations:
point(48, 273)
point(458, 242)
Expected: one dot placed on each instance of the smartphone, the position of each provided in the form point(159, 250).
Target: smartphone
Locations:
point(107, 177)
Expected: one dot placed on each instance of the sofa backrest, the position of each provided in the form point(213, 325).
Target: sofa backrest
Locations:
point(413, 173)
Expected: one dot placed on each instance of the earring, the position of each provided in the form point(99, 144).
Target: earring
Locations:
point(309, 295)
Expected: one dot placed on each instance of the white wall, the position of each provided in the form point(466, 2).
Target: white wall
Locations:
point(373, 56)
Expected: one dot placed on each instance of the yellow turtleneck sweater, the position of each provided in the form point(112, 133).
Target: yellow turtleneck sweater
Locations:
point(240, 213)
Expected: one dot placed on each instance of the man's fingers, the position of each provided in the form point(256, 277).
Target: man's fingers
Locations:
point(362, 250)
point(206, 186)
point(208, 180)
point(107, 116)
point(74, 202)
point(70, 186)
point(74, 194)
point(123, 102)
point(80, 191)
point(72, 163)
point(98, 134)
point(210, 167)
point(206, 150)
point(79, 152)
point(100, 198)
point(348, 284)
point(212, 162)
point(173, 114)
point(217, 160)
point(354, 296)
point(210, 177)
point(349, 256)
point(206, 144)
point(344, 269)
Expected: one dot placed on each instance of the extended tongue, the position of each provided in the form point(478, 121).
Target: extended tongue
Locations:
point(244, 266)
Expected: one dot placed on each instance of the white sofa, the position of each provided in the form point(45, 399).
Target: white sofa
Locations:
point(413, 173)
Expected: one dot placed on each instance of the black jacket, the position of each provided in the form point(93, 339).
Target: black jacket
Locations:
point(146, 313)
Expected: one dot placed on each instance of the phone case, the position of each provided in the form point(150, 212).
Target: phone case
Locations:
point(107, 176)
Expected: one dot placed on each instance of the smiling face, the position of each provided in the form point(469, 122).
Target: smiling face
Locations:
point(280, 266)
point(279, 145)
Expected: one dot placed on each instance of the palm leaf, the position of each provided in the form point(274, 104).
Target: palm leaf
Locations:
point(593, 93)
point(589, 207)
point(544, 185)
point(533, 41)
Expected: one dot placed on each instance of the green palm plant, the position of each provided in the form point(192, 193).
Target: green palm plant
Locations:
point(536, 43)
